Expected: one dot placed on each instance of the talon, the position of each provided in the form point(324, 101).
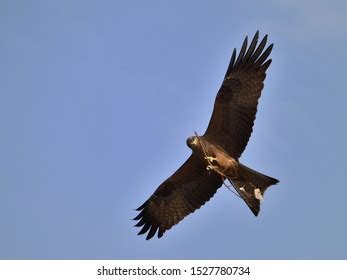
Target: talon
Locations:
point(210, 167)
point(211, 159)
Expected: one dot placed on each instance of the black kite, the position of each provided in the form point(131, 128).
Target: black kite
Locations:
point(215, 155)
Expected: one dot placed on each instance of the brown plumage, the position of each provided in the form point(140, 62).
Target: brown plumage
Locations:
point(216, 153)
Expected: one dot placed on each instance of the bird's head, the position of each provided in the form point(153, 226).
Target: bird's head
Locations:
point(192, 142)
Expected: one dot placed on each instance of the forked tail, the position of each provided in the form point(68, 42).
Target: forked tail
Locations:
point(251, 186)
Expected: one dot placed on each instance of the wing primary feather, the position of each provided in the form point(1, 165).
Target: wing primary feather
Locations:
point(152, 231)
point(160, 232)
point(242, 52)
point(266, 65)
point(139, 216)
point(259, 49)
point(141, 207)
point(144, 229)
point(251, 47)
point(231, 64)
point(140, 223)
point(265, 55)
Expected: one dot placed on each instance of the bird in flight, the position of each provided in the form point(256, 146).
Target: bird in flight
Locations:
point(215, 155)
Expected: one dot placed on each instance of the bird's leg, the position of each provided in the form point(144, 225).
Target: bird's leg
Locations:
point(210, 161)
point(210, 167)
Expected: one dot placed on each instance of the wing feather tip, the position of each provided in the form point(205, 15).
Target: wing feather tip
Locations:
point(231, 63)
point(141, 207)
point(152, 232)
point(259, 49)
point(140, 223)
point(251, 49)
point(139, 216)
point(250, 56)
point(266, 65)
point(256, 36)
point(144, 229)
point(264, 56)
point(241, 53)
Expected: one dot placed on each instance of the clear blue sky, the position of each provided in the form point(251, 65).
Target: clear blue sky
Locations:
point(97, 99)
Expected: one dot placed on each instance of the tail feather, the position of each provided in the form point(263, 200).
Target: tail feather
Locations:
point(251, 185)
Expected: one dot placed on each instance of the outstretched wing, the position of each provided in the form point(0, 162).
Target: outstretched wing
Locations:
point(236, 102)
point(181, 194)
